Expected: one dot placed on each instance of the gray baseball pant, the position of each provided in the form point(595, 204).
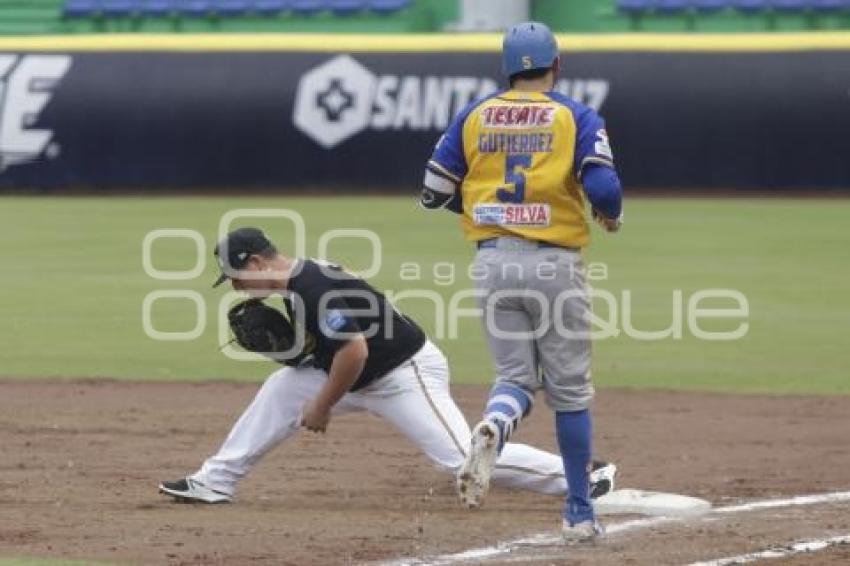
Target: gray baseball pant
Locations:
point(537, 319)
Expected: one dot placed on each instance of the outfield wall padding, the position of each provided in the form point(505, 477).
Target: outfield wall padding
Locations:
point(679, 120)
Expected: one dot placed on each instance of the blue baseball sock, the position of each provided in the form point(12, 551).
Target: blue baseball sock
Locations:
point(508, 404)
point(575, 432)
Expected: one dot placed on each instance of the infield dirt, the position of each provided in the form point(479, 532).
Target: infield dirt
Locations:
point(80, 464)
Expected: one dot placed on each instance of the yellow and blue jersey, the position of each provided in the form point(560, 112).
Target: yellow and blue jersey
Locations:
point(517, 158)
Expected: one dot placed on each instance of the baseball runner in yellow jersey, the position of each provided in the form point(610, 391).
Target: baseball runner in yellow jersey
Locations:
point(518, 167)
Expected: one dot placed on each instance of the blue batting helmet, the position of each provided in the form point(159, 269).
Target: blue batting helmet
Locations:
point(529, 45)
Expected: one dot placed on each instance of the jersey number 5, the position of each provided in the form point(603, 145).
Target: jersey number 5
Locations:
point(515, 165)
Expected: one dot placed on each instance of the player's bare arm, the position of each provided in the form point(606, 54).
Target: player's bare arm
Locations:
point(347, 365)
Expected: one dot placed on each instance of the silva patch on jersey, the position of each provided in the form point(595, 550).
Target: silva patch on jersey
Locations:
point(539, 215)
point(335, 320)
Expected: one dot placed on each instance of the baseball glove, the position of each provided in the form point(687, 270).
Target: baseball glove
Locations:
point(260, 328)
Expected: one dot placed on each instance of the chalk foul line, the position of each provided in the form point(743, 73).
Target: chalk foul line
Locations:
point(784, 551)
point(548, 539)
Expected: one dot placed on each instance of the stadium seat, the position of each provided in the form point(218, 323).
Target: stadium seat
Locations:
point(634, 7)
point(307, 7)
point(270, 7)
point(232, 8)
point(157, 8)
point(789, 5)
point(387, 6)
point(829, 5)
point(751, 6)
point(118, 8)
point(346, 7)
point(195, 8)
point(81, 8)
point(708, 6)
point(672, 6)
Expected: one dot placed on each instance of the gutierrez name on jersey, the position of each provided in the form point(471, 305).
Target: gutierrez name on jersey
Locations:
point(516, 117)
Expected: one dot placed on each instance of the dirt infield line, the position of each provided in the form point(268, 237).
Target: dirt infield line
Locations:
point(543, 539)
point(786, 550)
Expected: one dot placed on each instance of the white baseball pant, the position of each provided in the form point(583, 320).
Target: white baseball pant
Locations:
point(414, 397)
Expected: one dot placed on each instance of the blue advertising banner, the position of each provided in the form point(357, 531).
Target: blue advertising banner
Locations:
point(124, 120)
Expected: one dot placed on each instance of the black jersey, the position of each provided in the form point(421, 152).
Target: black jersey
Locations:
point(336, 305)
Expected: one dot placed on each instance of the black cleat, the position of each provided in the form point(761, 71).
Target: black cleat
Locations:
point(602, 476)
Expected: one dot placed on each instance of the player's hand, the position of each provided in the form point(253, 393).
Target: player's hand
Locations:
point(609, 224)
point(316, 417)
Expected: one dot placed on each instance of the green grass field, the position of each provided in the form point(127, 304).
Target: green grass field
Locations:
point(74, 285)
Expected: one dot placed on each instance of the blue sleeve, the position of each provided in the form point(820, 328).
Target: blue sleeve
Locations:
point(448, 156)
point(603, 189)
point(592, 145)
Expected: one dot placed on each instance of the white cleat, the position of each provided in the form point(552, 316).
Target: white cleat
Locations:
point(580, 533)
point(188, 490)
point(473, 479)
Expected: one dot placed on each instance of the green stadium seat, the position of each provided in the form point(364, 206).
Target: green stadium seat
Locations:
point(307, 7)
point(24, 16)
point(387, 6)
point(346, 7)
point(270, 7)
point(81, 8)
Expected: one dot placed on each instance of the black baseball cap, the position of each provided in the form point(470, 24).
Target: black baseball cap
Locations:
point(238, 246)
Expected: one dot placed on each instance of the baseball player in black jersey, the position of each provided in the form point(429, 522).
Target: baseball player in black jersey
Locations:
point(357, 353)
